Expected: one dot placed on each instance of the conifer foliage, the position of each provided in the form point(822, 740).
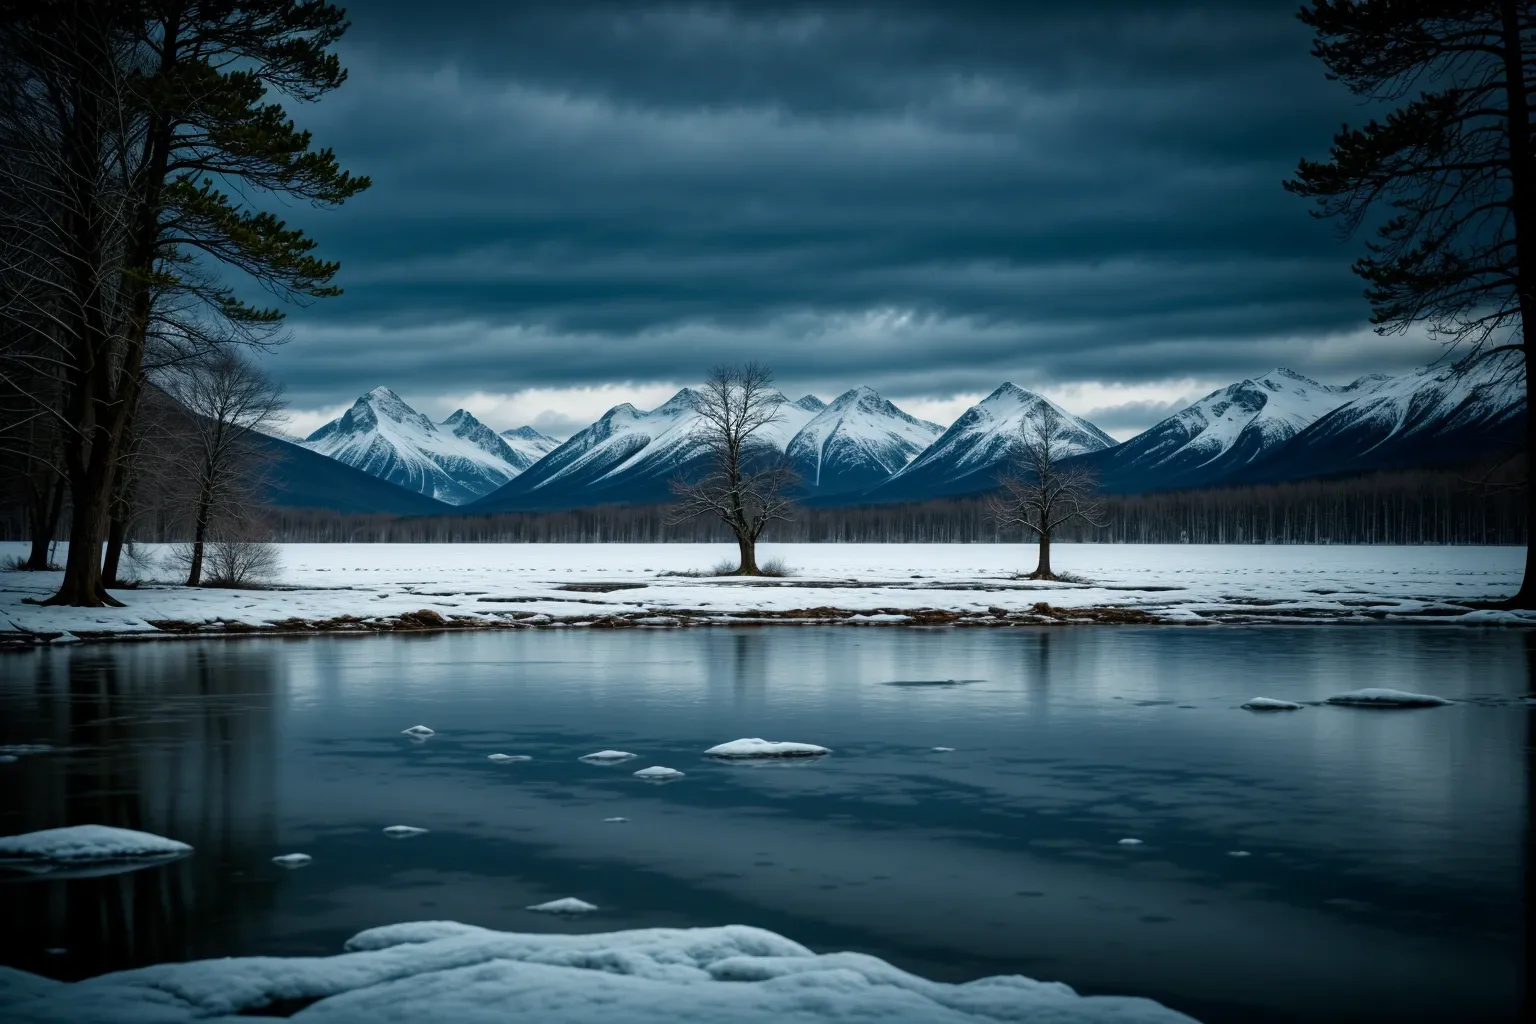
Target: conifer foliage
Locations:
point(1445, 181)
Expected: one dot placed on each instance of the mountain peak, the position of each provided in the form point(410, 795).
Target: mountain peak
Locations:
point(810, 403)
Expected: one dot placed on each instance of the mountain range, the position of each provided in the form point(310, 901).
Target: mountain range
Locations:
point(862, 449)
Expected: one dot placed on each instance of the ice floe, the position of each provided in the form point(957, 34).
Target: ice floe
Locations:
point(1271, 704)
point(504, 758)
point(292, 860)
point(607, 757)
point(87, 850)
point(418, 732)
point(656, 773)
point(568, 905)
point(615, 819)
point(1376, 697)
point(747, 749)
point(444, 971)
point(942, 750)
point(1130, 842)
point(404, 831)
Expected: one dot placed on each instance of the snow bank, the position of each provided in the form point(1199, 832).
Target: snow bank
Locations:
point(607, 757)
point(1376, 697)
point(443, 971)
point(656, 773)
point(404, 831)
point(292, 860)
point(1271, 704)
point(100, 849)
point(567, 905)
point(751, 748)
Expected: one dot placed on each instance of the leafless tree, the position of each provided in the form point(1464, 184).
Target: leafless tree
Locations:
point(746, 481)
point(227, 397)
point(1044, 492)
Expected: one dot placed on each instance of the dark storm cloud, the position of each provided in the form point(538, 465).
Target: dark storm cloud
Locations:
point(925, 197)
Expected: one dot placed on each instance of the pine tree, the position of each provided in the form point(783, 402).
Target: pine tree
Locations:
point(1447, 178)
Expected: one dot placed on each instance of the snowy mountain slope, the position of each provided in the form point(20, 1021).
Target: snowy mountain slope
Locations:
point(456, 462)
point(527, 446)
point(629, 456)
point(856, 442)
point(1222, 432)
point(968, 457)
point(1439, 415)
point(296, 477)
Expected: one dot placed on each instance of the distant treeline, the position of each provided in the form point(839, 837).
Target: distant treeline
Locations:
point(1385, 508)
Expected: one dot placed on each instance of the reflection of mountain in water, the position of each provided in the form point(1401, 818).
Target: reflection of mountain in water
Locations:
point(142, 745)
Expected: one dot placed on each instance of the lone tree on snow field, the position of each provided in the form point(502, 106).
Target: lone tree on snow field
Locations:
point(1041, 494)
point(1453, 171)
point(746, 481)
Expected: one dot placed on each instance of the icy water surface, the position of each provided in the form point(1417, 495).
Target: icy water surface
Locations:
point(1325, 864)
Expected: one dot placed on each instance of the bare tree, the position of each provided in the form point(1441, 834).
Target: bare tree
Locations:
point(746, 481)
point(228, 397)
point(1044, 492)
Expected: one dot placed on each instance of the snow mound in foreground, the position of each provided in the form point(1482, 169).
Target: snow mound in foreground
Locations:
point(750, 748)
point(58, 850)
point(441, 970)
point(607, 757)
point(1376, 697)
point(566, 905)
point(656, 773)
point(1271, 704)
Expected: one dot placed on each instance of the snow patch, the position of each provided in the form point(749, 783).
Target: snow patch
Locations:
point(607, 757)
point(83, 850)
point(568, 905)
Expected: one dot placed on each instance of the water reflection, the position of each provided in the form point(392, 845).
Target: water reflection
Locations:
point(1384, 878)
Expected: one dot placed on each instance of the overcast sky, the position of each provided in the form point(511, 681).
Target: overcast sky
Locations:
point(582, 203)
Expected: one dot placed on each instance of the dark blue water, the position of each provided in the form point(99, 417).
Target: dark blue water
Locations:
point(1386, 848)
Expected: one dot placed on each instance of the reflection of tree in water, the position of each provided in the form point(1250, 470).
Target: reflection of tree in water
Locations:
point(175, 741)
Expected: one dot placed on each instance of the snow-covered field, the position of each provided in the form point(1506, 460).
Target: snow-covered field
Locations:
point(443, 971)
point(362, 587)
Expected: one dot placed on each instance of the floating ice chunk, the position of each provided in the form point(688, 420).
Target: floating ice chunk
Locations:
point(1376, 697)
point(753, 748)
point(656, 773)
point(1238, 853)
point(419, 732)
point(504, 758)
point(404, 831)
point(943, 750)
point(568, 905)
point(65, 637)
point(87, 850)
point(1130, 842)
point(607, 757)
point(23, 749)
point(1271, 704)
point(292, 860)
point(615, 819)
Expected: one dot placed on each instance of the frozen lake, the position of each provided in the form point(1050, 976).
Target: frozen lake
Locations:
point(1384, 849)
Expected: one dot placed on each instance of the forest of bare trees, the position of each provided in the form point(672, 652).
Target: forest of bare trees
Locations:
point(1441, 507)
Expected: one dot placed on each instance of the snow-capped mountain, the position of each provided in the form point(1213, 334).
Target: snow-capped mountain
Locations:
point(1439, 415)
point(629, 456)
point(1223, 432)
point(456, 461)
point(856, 442)
point(528, 446)
point(969, 455)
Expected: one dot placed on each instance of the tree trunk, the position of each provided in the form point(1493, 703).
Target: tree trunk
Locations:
point(1523, 207)
point(1043, 570)
point(195, 573)
point(748, 565)
point(117, 528)
point(82, 586)
point(44, 512)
